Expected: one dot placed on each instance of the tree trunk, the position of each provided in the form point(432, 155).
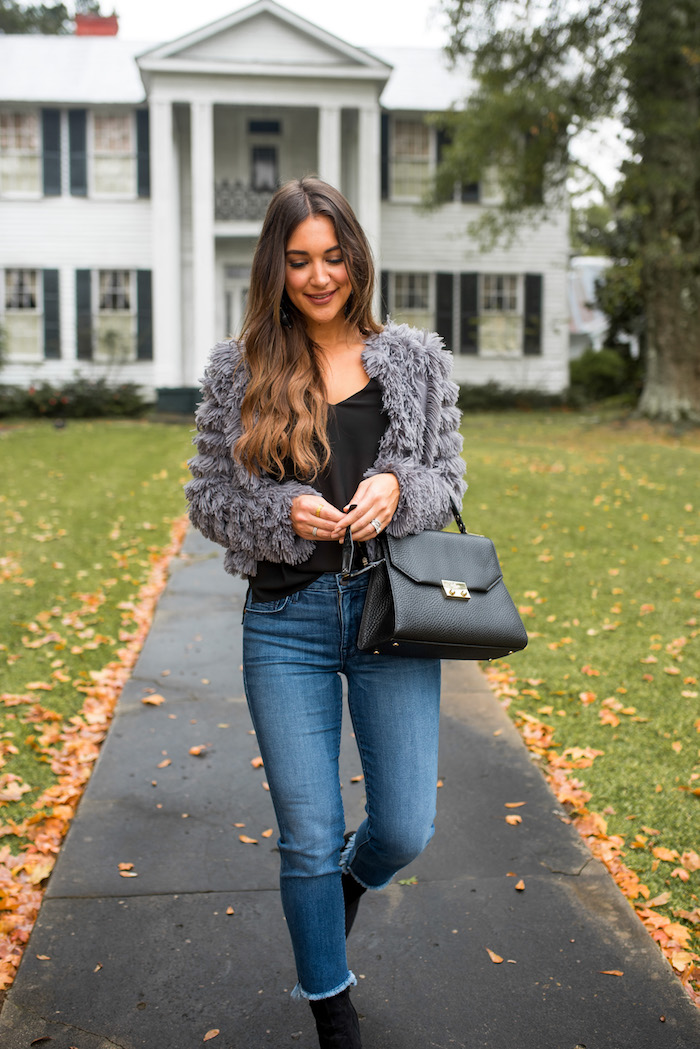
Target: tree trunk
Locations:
point(664, 74)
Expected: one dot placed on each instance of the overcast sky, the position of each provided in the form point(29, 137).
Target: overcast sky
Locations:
point(393, 23)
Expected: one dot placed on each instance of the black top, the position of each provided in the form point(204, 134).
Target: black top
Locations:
point(355, 428)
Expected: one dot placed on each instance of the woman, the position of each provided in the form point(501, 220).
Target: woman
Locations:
point(318, 421)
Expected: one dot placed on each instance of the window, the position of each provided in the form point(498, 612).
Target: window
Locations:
point(23, 318)
point(501, 322)
point(411, 302)
point(410, 159)
point(20, 153)
point(114, 168)
point(116, 329)
point(499, 294)
point(264, 175)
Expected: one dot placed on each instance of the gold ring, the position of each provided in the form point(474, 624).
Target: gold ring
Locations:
point(318, 509)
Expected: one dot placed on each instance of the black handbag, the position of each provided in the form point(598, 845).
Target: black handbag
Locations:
point(440, 595)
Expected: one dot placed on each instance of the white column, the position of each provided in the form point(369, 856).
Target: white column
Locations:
point(203, 243)
point(369, 181)
point(167, 336)
point(329, 144)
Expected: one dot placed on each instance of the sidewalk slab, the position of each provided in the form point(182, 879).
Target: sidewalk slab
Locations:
point(155, 961)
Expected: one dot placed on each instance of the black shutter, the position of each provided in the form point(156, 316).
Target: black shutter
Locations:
point(385, 155)
point(51, 151)
point(52, 330)
point(143, 153)
point(469, 312)
point(77, 137)
point(384, 291)
point(144, 307)
point(83, 303)
point(444, 307)
point(532, 320)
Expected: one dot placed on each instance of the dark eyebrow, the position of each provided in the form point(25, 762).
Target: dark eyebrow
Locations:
point(294, 251)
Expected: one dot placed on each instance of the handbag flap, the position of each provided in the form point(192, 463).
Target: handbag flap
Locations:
point(430, 557)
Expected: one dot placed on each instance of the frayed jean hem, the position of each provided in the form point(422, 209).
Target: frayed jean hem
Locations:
point(299, 993)
point(345, 866)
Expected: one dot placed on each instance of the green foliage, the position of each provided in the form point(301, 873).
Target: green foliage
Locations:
point(49, 19)
point(599, 374)
point(494, 397)
point(78, 399)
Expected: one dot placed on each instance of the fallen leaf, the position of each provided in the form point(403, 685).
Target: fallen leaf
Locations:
point(257, 763)
point(514, 820)
point(661, 853)
point(128, 874)
point(153, 701)
point(520, 886)
point(239, 824)
point(356, 779)
point(268, 833)
point(164, 764)
point(44, 957)
point(230, 910)
point(515, 804)
point(126, 866)
point(211, 1034)
point(611, 972)
point(495, 958)
point(246, 840)
point(199, 751)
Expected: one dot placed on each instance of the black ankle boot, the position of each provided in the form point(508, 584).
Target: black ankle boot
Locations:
point(352, 893)
point(336, 1022)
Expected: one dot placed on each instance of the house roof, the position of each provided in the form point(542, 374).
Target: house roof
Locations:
point(262, 39)
point(69, 69)
point(422, 80)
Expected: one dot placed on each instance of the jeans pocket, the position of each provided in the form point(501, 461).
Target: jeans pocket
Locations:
point(265, 607)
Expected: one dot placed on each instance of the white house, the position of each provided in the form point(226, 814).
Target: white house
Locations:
point(133, 181)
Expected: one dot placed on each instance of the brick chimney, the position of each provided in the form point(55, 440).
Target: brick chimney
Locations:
point(96, 25)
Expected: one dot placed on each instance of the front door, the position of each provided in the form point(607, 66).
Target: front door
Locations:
point(236, 284)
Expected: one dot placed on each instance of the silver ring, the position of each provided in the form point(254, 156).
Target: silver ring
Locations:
point(376, 525)
point(314, 531)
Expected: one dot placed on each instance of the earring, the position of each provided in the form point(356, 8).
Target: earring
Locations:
point(285, 319)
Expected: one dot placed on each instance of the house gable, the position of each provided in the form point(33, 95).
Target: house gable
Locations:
point(264, 38)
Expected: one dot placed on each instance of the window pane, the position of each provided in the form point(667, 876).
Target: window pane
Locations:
point(20, 289)
point(20, 152)
point(114, 290)
point(114, 161)
point(115, 338)
point(410, 161)
point(411, 301)
point(113, 134)
point(264, 168)
point(499, 293)
point(113, 174)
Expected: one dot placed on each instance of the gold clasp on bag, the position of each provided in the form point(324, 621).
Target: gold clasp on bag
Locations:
point(454, 588)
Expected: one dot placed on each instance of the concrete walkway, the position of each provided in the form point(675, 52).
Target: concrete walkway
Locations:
point(156, 961)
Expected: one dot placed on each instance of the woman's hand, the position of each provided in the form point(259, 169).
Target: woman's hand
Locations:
point(376, 499)
point(314, 518)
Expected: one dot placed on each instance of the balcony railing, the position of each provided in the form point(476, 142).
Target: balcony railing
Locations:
point(237, 202)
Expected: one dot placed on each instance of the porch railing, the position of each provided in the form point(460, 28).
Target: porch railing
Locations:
point(236, 201)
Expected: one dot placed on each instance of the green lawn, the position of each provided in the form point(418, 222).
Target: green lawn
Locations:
point(597, 527)
point(84, 512)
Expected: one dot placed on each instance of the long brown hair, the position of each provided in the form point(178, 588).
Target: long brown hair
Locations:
point(284, 410)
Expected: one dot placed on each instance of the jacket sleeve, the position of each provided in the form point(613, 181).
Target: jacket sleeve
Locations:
point(246, 513)
point(431, 472)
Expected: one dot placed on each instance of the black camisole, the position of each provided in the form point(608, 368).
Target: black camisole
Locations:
point(355, 428)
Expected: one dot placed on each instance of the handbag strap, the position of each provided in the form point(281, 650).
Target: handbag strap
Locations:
point(349, 545)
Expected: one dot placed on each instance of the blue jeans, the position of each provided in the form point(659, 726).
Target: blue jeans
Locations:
point(293, 652)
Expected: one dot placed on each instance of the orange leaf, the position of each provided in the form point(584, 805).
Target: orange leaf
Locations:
point(662, 853)
point(495, 958)
point(128, 874)
point(126, 866)
point(199, 751)
point(153, 701)
point(211, 1034)
point(611, 972)
point(230, 910)
point(44, 957)
point(268, 833)
point(246, 840)
point(514, 804)
point(520, 886)
point(257, 763)
point(164, 764)
point(514, 820)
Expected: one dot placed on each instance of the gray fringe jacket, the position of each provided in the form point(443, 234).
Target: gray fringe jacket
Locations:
point(250, 515)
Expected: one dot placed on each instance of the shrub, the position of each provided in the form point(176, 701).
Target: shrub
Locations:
point(493, 397)
point(599, 374)
point(77, 399)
